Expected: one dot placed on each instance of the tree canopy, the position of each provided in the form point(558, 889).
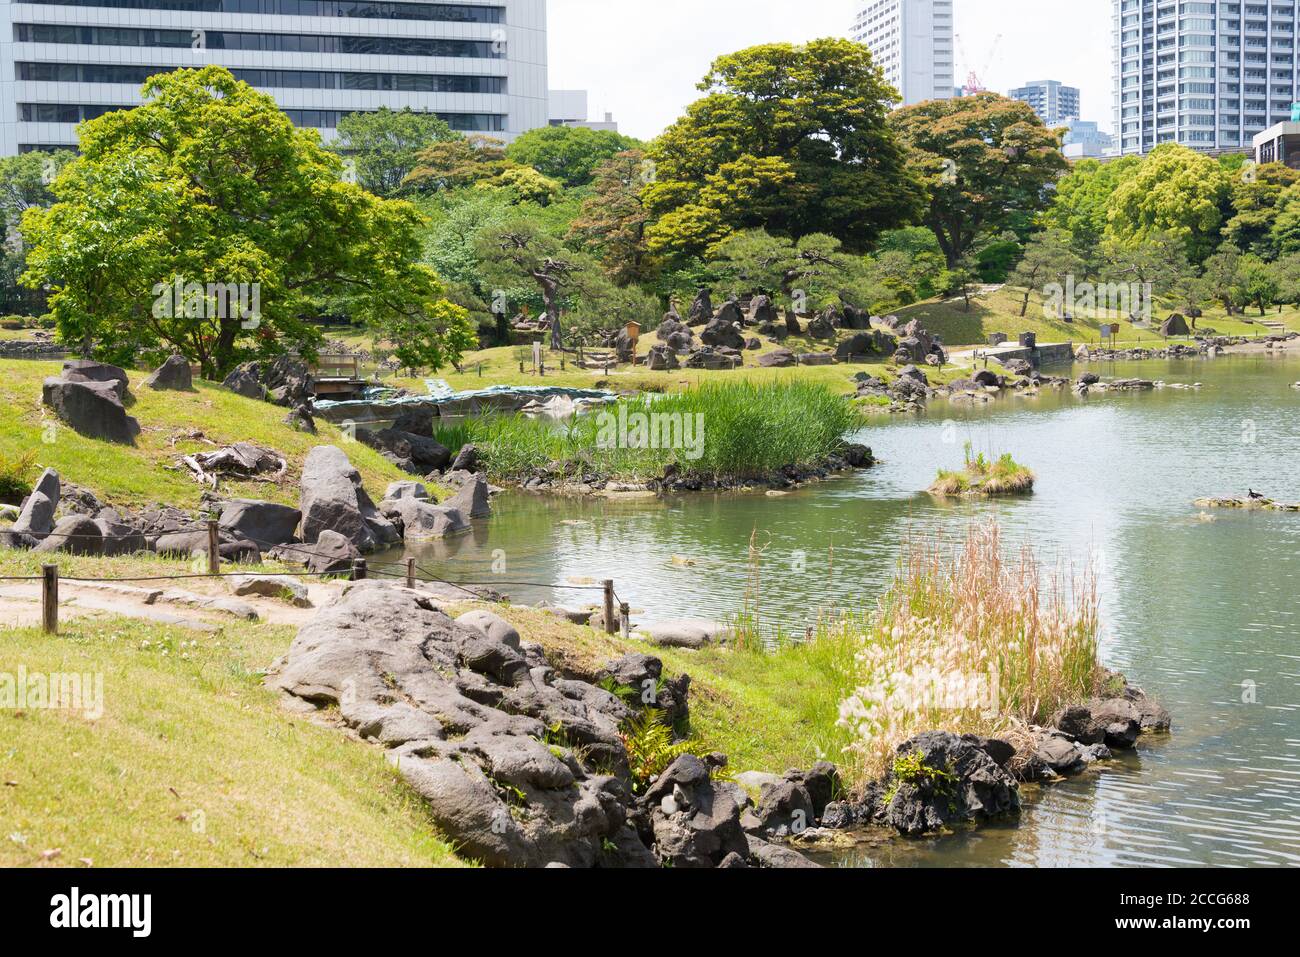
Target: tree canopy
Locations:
point(986, 161)
point(1176, 191)
point(381, 146)
point(789, 138)
point(208, 185)
point(568, 154)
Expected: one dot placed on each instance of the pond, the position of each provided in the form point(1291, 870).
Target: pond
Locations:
point(1201, 610)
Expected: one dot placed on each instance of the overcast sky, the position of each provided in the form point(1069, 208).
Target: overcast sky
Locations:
point(641, 60)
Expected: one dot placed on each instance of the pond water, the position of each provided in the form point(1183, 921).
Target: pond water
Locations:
point(1200, 611)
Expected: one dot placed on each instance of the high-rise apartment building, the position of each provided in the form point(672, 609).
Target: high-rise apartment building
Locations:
point(480, 64)
point(1209, 75)
point(1052, 100)
point(912, 41)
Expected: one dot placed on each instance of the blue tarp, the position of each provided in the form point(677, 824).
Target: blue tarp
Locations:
point(440, 393)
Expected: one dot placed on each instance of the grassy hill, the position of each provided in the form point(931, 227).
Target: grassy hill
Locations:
point(193, 763)
point(999, 311)
point(172, 424)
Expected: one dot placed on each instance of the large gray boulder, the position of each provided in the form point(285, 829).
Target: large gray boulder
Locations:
point(421, 520)
point(953, 781)
point(173, 375)
point(465, 714)
point(473, 500)
point(266, 524)
point(88, 370)
point(36, 518)
point(720, 332)
point(91, 408)
point(120, 537)
point(333, 499)
point(74, 535)
point(414, 453)
point(332, 554)
point(243, 381)
point(695, 822)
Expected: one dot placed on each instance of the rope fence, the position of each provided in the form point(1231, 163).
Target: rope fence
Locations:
point(361, 569)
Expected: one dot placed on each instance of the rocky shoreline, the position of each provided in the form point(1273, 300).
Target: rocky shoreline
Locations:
point(524, 765)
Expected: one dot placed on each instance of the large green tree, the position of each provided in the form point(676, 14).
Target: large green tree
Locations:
point(1176, 191)
point(209, 185)
point(381, 147)
point(614, 218)
point(1049, 259)
point(568, 154)
point(24, 184)
point(1081, 202)
point(788, 138)
point(986, 161)
point(1256, 197)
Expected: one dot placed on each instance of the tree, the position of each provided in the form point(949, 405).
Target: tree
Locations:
point(797, 136)
point(571, 155)
point(1158, 262)
point(1256, 196)
point(1222, 277)
point(382, 146)
point(457, 162)
point(1048, 259)
point(1259, 283)
point(1081, 202)
point(614, 218)
point(518, 249)
point(986, 161)
point(909, 264)
point(24, 184)
point(1286, 271)
point(810, 274)
point(208, 188)
point(1177, 191)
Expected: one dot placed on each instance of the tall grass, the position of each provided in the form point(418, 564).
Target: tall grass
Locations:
point(748, 430)
point(968, 641)
point(982, 475)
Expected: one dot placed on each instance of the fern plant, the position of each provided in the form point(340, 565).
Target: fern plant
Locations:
point(15, 476)
point(648, 739)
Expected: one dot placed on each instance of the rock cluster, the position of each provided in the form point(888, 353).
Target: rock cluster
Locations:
point(285, 381)
point(89, 396)
point(520, 765)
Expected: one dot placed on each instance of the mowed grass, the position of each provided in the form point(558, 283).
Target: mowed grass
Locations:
point(133, 476)
point(766, 709)
point(999, 311)
point(192, 762)
point(722, 430)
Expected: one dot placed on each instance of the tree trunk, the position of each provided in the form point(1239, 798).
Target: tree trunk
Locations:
point(1024, 306)
point(549, 291)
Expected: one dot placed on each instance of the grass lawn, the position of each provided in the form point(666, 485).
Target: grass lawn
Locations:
point(192, 763)
point(134, 476)
point(1000, 312)
point(766, 711)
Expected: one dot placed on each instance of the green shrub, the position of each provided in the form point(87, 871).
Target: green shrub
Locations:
point(15, 476)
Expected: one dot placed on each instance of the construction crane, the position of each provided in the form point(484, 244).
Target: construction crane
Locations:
point(974, 81)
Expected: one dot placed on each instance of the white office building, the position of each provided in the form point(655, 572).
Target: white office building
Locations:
point(912, 41)
point(1052, 100)
point(1209, 75)
point(479, 64)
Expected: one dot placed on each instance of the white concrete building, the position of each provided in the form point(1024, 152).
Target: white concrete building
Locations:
point(912, 41)
point(479, 64)
point(570, 108)
point(1052, 100)
point(1209, 75)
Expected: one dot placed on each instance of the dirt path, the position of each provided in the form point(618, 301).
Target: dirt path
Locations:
point(20, 604)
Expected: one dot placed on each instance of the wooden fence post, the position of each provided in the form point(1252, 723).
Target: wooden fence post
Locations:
point(50, 599)
point(410, 573)
point(359, 570)
point(214, 547)
point(626, 613)
point(611, 626)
